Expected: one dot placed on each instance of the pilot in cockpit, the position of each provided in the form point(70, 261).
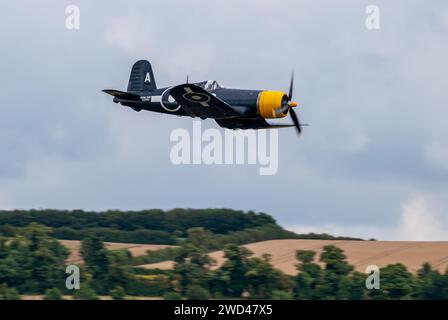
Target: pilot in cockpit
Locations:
point(209, 85)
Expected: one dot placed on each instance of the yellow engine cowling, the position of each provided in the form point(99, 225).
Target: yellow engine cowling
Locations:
point(270, 104)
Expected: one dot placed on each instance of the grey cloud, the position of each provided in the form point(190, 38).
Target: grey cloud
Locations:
point(376, 102)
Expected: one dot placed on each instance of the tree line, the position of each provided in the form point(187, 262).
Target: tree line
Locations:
point(153, 226)
point(33, 262)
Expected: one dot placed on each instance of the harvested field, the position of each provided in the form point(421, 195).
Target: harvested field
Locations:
point(359, 253)
point(136, 249)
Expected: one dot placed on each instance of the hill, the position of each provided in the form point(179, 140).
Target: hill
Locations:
point(154, 226)
point(359, 253)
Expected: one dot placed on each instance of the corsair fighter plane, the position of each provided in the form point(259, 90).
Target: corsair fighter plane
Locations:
point(230, 108)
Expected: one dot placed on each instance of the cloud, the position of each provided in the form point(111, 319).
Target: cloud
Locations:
point(375, 101)
point(131, 33)
point(140, 37)
point(419, 221)
point(436, 155)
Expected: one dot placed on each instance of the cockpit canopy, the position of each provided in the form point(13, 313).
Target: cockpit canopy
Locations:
point(209, 85)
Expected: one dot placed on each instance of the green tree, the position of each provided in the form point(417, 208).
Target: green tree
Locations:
point(118, 293)
point(309, 275)
point(192, 267)
point(344, 287)
point(305, 286)
point(119, 272)
point(396, 282)
point(96, 259)
point(432, 284)
point(47, 258)
point(85, 293)
point(358, 289)
point(53, 294)
point(263, 279)
point(199, 237)
point(171, 295)
point(196, 292)
point(305, 256)
point(8, 293)
point(14, 266)
point(335, 260)
point(334, 283)
point(282, 295)
point(33, 261)
point(234, 270)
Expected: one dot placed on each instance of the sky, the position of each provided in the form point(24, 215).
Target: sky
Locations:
point(373, 163)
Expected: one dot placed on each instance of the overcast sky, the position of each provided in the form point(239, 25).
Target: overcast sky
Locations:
point(373, 163)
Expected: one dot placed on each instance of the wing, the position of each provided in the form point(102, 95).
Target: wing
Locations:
point(249, 124)
point(198, 102)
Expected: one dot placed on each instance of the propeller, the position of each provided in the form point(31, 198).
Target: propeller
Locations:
point(296, 121)
point(291, 86)
point(290, 104)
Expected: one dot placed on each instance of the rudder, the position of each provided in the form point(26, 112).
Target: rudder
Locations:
point(142, 77)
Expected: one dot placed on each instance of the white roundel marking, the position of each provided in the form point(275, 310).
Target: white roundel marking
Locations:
point(170, 99)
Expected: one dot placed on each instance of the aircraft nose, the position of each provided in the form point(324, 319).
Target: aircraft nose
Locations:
point(293, 104)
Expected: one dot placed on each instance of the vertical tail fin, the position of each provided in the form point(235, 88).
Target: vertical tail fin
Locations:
point(142, 78)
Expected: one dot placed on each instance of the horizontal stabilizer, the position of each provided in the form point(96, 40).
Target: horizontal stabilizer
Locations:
point(122, 95)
